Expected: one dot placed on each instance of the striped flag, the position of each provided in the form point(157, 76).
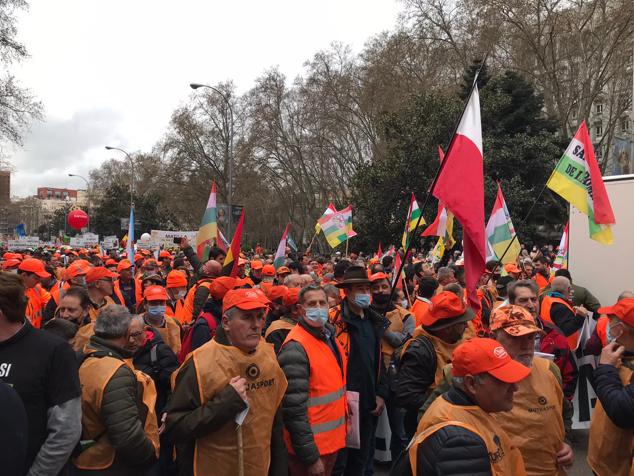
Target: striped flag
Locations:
point(561, 261)
point(222, 242)
point(335, 227)
point(500, 231)
point(280, 255)
point(230, 266)
point(413, 214)
point(390, 252)
point(442, 226)
point(577, 178)
point(291, 243)
point(208, 231)
point(329, 211)
point(347, 213)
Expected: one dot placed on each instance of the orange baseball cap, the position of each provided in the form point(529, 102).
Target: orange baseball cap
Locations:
point(446, 310)
point(123, 264)
point(111, 262)
point(256, 264)
point(268, 270)
point(512, 268)
point(155, 293)
point(282, 270)
point(176, 279)
point(35, 266)
point(623, 310)
point(98, 273)
point(76, 269)
point(150, 261)
point(278, 292)
point(242, 262)
point(292, 296)
point(479, 355)
point(244, 299)
point(515, 320)
point(165, 254)
point(220, 286)
point(11, 263)
point(378, 277)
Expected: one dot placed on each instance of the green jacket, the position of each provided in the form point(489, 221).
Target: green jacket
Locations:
point(188, 420)
point(123, 415)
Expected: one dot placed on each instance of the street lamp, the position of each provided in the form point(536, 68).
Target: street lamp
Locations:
point(231, 157)
point(131, 172)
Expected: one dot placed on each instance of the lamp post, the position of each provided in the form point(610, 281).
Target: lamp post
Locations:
point(131, 172)
point(87, 186)
point(231, 157)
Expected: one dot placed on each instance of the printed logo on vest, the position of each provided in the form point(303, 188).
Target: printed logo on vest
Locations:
point(253, 371)
point(542, 400)
point(544, 406)
point(496, 456)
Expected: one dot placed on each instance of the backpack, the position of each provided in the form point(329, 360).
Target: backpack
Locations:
point(186, 345)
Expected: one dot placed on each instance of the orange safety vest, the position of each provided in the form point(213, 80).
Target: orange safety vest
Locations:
point(279, 325)
point(216, 454)
point(188, 305)
point(171, 334)
point(505, 458)
point(396, 318)
point(83, 336)
point(94, 311)
point(37, 297)
point(535, 425)
point(419, 308)
point(602, 329)
point(547, 303)
point(176, 311)
point(119, 294)
point(326, 405)
point(610, 447)
point(138, 290)
point(94, 375)
point(541, 281)
point(57, 293)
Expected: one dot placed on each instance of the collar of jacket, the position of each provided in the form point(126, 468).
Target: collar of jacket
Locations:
point(557, 295)
point(104, 347)
point(458, 397)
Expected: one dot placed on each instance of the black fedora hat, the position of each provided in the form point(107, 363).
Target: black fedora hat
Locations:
point(354, 275)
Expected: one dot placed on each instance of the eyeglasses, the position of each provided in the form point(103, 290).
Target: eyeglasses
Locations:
point(136, 335)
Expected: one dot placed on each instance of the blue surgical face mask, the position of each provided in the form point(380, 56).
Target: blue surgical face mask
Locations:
point(362, 300)
point(156, 311)
point(316, 316)
point(404, 303)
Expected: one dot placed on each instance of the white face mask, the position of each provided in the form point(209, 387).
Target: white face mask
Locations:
point(180, 295)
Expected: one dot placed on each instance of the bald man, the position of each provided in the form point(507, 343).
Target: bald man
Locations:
point(557, 309)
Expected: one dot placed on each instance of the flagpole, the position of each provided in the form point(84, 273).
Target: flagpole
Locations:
point(347, 241)
point(311, 241)
point(438, 171)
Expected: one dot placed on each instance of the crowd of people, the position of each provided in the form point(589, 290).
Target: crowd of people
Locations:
point(158, 364)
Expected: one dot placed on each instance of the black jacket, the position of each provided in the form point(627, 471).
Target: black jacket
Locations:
point(617, 399)
point(294, 362)
point(157, 360)
point(450, 451)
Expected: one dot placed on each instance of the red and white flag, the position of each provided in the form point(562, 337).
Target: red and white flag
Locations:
point(460, 186)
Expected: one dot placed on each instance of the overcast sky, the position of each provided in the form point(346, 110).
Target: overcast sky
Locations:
point(111, 72)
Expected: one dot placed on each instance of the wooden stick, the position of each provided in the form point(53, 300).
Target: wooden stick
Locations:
point(240, 452)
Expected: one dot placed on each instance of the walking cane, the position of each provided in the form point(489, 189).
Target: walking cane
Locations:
point(240, 452)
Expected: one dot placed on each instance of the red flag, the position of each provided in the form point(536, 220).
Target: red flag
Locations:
point(397, 267)
point(460, 186)
point(230, 266)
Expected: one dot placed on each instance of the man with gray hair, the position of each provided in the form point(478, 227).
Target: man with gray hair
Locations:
point(293, 281)
point(446, 276)
point(120, 434)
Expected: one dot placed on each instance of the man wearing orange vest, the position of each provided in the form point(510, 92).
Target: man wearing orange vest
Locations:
point(458, 434)
point(424, 356)
point(199, 292)
point(427, 287)
point(176, 284)
point(156, 303)
point(315, 403)
point(610, 444)
point(542, 272)
point(31, 270)
point(125, 286)
point(224, 413)
point(100, 286)
point(119, 426)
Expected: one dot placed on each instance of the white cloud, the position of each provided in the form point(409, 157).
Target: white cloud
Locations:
point(113, 72)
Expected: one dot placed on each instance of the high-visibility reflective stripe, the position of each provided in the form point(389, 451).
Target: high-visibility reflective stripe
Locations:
point(327, 398)
point(328, 426)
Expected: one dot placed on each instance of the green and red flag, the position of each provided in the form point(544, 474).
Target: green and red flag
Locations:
point(280, 255)
point(230, 266)
point(413, 214)
point(208, 231)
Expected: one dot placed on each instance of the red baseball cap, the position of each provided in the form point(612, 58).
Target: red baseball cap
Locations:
point(244, 299)
point(478, 355)
point(11, 263)
point(155, 293)
point(446, 310)
point(176, 279)
point(35, 266)
point(123, 264)
point(220, 286)
point(623, 310)
point(268, 270)
point(292, 296)
point(95, 274)
point(378, 277)
point(256, 264)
